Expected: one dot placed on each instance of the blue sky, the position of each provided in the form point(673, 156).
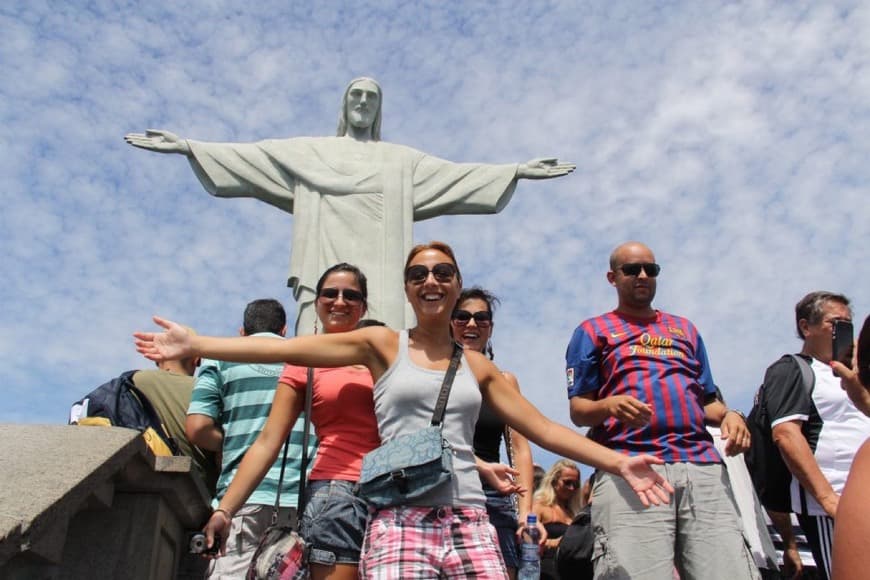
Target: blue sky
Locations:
point(730, 137)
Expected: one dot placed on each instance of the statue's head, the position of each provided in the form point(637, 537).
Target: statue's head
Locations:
point(361, 107)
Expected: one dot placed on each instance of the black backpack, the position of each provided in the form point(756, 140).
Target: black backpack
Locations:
point(770, 476)
point(123, 405)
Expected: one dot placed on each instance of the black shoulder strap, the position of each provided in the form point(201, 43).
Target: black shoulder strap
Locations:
point(306, 432)
point(807, 374)
point(441, 405)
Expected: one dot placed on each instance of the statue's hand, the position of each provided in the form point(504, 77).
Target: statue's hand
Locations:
point(159, 141)
point(544, 168)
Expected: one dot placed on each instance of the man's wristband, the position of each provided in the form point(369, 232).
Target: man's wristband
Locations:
point(740, 413)
point(227, 514)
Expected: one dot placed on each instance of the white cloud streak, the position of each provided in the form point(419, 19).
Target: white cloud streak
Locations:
point(729, 137)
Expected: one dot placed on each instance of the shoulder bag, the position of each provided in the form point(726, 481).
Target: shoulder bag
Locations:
point(412, 465)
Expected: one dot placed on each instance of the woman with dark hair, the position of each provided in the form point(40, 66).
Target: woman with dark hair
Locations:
point(472, 324)
point(444, 533)
point(342, 412)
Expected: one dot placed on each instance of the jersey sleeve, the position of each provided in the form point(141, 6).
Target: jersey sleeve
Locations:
point(583, 364)
point(207, 396)
point(784, 393)
point(705, 376)
point(294, 377)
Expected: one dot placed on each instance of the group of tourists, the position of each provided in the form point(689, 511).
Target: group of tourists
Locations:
point(661, 504)
point(447, 532)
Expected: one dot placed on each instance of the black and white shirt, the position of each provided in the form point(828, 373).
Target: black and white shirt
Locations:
point(833, 427)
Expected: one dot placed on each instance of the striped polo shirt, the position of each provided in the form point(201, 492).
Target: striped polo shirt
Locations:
point(238, 396)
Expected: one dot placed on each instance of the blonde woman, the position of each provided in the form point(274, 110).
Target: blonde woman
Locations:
point(557, 501)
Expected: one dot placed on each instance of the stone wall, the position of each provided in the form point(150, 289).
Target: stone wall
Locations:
point(94, 502)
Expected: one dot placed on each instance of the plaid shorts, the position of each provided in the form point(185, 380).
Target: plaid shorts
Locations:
point(410, 543)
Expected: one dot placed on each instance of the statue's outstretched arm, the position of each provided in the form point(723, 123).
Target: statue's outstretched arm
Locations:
point(544, 168)
point(159, 141)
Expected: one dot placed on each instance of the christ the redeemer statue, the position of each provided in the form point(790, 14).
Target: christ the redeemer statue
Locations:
point(354, 197)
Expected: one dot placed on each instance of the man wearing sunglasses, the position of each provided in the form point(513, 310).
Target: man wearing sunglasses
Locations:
point(640, 378)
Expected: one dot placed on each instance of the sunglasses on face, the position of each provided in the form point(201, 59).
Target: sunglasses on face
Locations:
point(481, 318)
point(651, 269)
point(443, 272)
point(571, 483)
point(349, 295)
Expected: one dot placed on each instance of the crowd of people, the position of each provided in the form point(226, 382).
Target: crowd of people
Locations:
point(661, 504)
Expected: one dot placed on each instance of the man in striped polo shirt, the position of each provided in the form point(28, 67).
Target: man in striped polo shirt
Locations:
point(228, 409)
point(640, 378)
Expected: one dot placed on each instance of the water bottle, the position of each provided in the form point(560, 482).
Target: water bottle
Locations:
point(530, 557)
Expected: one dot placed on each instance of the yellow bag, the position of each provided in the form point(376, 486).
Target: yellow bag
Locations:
point(155, 443)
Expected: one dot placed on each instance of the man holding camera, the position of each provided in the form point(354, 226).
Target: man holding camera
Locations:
point(229, 407)
point(817, 432)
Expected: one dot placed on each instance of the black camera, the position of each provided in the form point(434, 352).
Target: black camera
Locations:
point(198, 544)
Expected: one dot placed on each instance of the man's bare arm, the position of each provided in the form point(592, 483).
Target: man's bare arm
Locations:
point(792, 565)
point(799, 459)
point(202, 431)
point(731, 424)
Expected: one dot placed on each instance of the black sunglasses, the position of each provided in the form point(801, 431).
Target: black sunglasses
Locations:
point(650, 268)
point(443, 272)
point(572, 483)
point(482, 318)
point(349, 295)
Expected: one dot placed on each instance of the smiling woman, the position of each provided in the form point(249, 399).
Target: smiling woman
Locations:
point(408, 368)
point(472, 325)
point(334, 518)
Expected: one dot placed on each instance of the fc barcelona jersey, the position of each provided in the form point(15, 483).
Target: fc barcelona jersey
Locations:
point(660, 361)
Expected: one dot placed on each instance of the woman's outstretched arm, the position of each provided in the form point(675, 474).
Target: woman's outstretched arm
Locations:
point(519, 413)
point(370, 347)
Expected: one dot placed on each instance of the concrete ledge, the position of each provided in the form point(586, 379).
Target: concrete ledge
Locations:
point(67, 490)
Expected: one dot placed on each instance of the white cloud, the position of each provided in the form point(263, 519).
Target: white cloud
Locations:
point(730, 137)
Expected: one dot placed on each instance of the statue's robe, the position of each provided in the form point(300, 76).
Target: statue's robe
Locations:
point(352, 202)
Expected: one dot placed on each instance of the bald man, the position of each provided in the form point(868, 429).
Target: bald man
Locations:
point(640, 378)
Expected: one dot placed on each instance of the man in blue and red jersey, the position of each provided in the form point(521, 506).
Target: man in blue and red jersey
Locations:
point(641, 380)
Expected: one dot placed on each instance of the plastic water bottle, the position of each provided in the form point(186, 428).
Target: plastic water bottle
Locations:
point(530, 557)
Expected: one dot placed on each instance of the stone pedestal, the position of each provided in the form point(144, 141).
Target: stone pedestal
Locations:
point(93, 502)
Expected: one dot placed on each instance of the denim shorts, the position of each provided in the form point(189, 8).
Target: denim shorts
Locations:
point(334, 522)
point(503, 517)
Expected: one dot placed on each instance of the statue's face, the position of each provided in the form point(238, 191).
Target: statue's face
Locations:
point(363, 102)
